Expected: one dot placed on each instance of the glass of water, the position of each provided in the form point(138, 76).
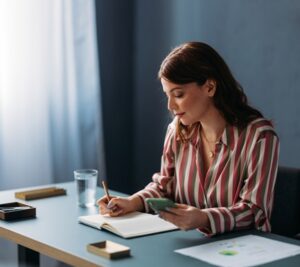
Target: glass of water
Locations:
point(86, 183)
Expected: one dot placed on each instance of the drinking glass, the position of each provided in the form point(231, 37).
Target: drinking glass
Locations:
point(86, 184)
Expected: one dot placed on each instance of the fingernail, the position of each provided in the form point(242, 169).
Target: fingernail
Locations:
point(114, 208)
point(110, 205)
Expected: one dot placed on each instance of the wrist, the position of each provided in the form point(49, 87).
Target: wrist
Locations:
point(136, 203)
point(206, 221)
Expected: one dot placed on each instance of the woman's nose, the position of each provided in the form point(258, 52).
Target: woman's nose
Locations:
point(171, 104)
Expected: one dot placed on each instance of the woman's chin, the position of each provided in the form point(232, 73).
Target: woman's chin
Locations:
point(185, 122)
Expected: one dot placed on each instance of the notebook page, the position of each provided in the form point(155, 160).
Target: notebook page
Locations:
point(136, 224)
point(129, 225)
point(96, 220)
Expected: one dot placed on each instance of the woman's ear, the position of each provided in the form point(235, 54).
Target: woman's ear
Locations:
point(211, 87)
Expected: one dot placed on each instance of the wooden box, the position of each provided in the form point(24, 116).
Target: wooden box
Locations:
point(109, 249)
point(16, 210)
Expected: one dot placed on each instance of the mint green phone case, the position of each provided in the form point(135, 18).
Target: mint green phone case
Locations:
point(158, 204)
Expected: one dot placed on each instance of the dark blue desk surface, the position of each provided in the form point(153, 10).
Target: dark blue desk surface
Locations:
point(56, 233)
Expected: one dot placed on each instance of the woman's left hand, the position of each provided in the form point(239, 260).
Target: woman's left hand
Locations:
point(186, 217)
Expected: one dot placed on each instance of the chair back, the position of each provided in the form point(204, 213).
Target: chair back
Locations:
point(285, 219)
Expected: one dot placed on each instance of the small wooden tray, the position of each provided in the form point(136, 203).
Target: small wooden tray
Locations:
point(40, 193)
point(10, 211)
point(109, 249)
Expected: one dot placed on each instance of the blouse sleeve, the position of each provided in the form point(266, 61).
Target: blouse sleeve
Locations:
point(256, 196)
point(162, 182)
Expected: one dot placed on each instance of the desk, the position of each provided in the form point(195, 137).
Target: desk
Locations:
point(56, 233)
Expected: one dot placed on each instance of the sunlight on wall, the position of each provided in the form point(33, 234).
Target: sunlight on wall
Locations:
point(49, 91)
point(22, 89)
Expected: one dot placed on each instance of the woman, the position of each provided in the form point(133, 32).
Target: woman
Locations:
point(220, 155)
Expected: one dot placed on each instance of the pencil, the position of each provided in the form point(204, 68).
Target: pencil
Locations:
point(106, 190)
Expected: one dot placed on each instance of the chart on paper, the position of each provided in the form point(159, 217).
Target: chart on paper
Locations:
point(248, 250)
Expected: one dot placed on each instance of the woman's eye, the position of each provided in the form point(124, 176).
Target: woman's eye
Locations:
point(178, 95)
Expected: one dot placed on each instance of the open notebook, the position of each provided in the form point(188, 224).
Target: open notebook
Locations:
point(130, 225)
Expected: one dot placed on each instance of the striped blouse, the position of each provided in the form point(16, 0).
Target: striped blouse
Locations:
point(237, 190)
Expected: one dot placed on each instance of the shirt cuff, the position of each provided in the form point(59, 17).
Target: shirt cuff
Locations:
point(143, 195)
point(221, 220)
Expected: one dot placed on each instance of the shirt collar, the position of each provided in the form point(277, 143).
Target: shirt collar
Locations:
point(228, 136)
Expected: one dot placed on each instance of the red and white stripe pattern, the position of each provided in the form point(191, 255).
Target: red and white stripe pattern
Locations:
point(237, 190)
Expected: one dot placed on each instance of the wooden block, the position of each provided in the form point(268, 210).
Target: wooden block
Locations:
point(40, 193)
point(109, 249)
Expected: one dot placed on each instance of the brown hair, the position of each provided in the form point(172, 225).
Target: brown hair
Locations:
point(198, 62)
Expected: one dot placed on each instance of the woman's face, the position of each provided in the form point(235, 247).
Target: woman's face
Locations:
point(190, 102)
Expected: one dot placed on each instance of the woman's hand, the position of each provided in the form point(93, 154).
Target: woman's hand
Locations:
point(186, 217)
point(120, 205)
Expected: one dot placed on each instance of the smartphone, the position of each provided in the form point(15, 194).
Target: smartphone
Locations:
point(158, 204)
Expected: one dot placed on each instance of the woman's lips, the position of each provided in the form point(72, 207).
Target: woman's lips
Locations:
point(179, 114)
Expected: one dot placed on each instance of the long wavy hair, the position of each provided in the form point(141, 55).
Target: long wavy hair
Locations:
point(198, 62)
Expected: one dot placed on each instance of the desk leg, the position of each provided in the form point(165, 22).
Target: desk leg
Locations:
point(28, 257)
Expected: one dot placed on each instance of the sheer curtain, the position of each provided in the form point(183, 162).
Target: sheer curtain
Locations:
point(50, 118)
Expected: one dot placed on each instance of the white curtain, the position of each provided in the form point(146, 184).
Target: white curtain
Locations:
point(50, 120)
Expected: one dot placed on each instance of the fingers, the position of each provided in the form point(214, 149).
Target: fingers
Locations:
point(115, 207)
point(113, 203)
point(116, 212)
point(182, 206)
point(103, 200)
point(177, 220)
point(186, 217)
point(168, 216)
point(103, 210)
point(103, 205)
point(179, 215)
point(179, 209)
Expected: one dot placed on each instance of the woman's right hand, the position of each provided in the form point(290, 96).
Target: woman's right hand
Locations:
point(119, 205)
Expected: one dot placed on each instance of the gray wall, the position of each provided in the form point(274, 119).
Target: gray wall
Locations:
point(259, 39)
